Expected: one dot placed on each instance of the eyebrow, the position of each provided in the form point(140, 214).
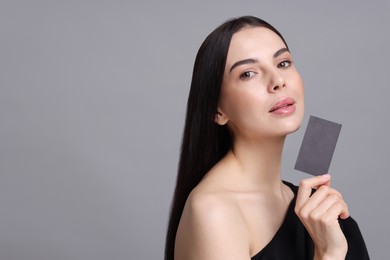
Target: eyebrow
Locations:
point(280, 52)
point(252, 61)
point(242, 62)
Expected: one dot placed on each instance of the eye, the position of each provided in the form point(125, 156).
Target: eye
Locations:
point(247, 75)
point(284, 64)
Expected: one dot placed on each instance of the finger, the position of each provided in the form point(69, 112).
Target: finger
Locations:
point(325, 190)
point(321, 209)
point(345, 212)
point(315, 201)
point(337, 210)
point(328, 183)
point(306, 186)
point(330, 195)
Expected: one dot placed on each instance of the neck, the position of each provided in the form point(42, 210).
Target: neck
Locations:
point(260, 161)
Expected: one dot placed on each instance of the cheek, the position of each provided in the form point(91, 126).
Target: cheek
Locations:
point(299, 90)
point(301, 99)
point(302, 92)
point(299, 82)
point(297, 87)
point(302, 87)
point(243, 107)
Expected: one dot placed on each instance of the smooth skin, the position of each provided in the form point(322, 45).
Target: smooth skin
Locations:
point(237, 208)
point(319, 213)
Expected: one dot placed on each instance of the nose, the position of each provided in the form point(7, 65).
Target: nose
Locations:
point(277, 82)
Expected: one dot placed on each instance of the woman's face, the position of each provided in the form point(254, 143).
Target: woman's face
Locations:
point(262, 91)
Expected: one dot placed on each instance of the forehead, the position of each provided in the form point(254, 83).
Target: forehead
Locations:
point(253, 42)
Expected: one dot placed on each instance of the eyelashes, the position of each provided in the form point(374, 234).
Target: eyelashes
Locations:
point(285, 64)
point(246, 75)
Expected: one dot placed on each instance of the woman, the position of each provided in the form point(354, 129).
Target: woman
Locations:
point(229, 202)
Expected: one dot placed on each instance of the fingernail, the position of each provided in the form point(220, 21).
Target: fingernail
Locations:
point(326, 176)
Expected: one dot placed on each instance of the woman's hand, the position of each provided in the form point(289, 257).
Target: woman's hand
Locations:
point(319, 213)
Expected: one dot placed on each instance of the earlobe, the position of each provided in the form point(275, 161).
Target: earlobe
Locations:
point(220, 118)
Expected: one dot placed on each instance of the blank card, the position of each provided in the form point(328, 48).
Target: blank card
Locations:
point(318, 145)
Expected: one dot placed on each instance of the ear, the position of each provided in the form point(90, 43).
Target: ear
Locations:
point(220, 118)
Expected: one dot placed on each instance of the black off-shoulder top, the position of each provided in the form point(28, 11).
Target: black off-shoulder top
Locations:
point(292, 241)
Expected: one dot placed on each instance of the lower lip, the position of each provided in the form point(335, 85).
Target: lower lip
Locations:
point(284, 111)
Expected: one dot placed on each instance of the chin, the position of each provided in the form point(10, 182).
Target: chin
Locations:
point(291, 126)
point(294, 129)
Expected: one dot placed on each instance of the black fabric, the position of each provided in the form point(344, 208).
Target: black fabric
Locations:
point(292, 241)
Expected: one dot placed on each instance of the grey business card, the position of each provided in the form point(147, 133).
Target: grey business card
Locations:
point(318, 145)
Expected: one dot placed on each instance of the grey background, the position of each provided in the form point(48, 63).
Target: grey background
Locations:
point(92, 103)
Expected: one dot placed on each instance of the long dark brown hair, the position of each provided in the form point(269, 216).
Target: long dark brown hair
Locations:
point(204, 142)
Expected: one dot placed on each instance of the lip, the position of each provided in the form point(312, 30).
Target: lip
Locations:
point(284, 106)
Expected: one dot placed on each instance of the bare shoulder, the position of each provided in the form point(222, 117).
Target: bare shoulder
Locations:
point(212, 227)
